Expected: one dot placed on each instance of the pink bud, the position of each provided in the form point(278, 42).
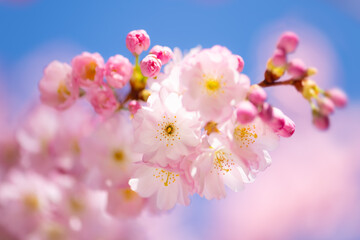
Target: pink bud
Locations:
point(338, 97)
point(326, 106)
point(296, 68)
point(103, 100)
point(118, 71)
point(241, 63)
point(288, 129)
point(278, 120)
point(150, 66)
point(246, 112)
point(288, 42)
point(137, 41)
point(320, 121)
point(279, 58)
point(134, 106)
point(257, 95)
point(88, 69)
point(162, 53)
point(266, 112)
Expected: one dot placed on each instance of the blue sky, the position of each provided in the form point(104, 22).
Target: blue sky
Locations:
point(101, 26)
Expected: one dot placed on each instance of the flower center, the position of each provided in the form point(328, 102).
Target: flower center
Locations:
point(76, 205)
point(223, 162)
point(119, 156)
point(245, 136)
point(31, 202)
point(63, 92)
point(128, 194)
point(167, 131)
point(212, 85)
point(90, 71)
point(165, 176)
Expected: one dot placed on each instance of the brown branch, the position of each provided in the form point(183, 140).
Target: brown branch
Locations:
point(297, 83)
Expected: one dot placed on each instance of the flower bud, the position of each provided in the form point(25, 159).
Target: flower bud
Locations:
point(118, 71)
point(326, 106)
point(338, 97)
point(246, 112)
point(137, 41)
point(288, 129)
point(163, 53)
point(150, 66)
point(297, 68)
point(266, 112)
point(288, 42)
point(279, 58)
point(241, 63)
point(134, 106)
point(277, 121)
point(88, 69)
point(103, 100)
point(257, 95)
point(320, 121)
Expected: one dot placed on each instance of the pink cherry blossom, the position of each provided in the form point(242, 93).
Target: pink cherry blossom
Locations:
point(108, 152)
point(321, 121)
point(279, 57)
point(217, 166)
point(150, 66)
point(166, 186)
point(266, 113)
point(26, 199)
point(211, 82)
point(277, 121)
point(57, 88)
point(36, 136)
point(246, 112)
point(288, 129)
point(164, 131)
point(118, 71)
point(88, 69)
point(163, 53)
point(296, 68)
point(103, 100)
point(326, 106)
point(137, 41)
point(337, 96)
point(124, 202)
point(257, 95)
point(288, 41)
point(241, 63)
point(251, 142)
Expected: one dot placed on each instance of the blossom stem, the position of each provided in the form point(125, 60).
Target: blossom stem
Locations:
point(297, 83)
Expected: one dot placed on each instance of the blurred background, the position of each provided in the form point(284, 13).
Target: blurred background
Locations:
point(312, 189)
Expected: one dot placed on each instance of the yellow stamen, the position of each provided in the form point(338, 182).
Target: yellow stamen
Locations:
point(90, 71)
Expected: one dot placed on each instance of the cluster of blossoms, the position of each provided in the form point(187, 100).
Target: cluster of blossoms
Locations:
point(164, 129)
